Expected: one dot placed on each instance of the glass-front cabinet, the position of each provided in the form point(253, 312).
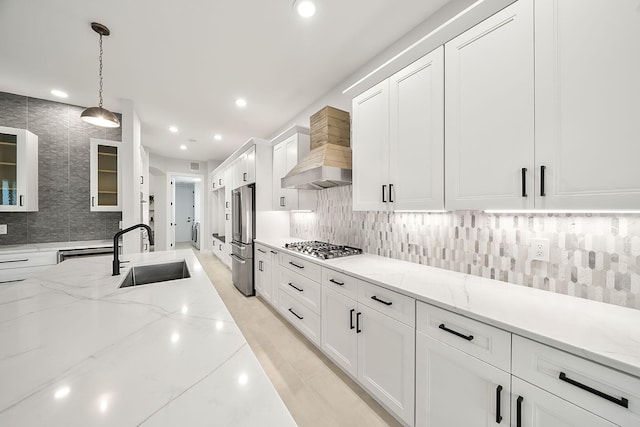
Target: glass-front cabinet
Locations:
point(18, 170)
point(105, 175)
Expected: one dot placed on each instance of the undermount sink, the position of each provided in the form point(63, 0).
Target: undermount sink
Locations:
point(145, 274)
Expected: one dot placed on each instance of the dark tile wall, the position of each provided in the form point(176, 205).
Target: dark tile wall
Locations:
point(63, 174)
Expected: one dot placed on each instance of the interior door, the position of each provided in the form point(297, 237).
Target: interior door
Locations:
point(184, 212)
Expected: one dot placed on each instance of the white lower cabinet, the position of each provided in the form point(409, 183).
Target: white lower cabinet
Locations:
point(262, 273)
point(534, 407)
point(377, 350)
point(454, 389)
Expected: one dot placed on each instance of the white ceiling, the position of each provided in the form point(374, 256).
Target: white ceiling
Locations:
point(185, 63)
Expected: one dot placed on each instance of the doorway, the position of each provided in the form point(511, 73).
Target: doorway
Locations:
point(185, 206)
point(185, 192)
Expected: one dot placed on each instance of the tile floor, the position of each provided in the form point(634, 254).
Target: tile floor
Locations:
point(316, 392)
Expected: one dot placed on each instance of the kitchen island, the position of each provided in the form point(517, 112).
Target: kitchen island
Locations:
point(78, 350)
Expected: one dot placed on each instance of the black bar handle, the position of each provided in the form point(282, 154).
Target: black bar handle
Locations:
point(524, 182)
point(15, 260)
point(295, 287)
point(498, 393)
point(351, 318)
point(13, 281)
point(93, 201)
point(282, 204)
point(451, 331)
point(624, 402)
point(260, 266)
point(542, 169)
point(358, 330)
point(296, 314)
point(274, 252)
point(21, 200)
point(263, 251)
point(296, 265)
point(390, 192)
point(219, 181)
point(336, 282)
point(384, 190)
point(244, 176)
point(375, 298)
point(519, 411)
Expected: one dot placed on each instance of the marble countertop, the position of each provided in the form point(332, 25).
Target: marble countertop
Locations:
point(55, 246)
point(78, 351)
point(604, 333)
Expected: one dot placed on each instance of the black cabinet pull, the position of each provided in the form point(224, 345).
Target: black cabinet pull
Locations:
point(13, 281)
point(358, 330)
point(226, 205)
point(296, 265)
point(451, 331)
point(384, 191)
point(274, 252)
point(519, 411)
point(21, 200)
point(17, 260)
point(282, 204)
point(390, 192)
point(542, 169)
point(375, 298)
point(524, 182)
point(624, 402)
point(295, 287)
point(296, 314)
point(498, 392)
point(220, 181)
point(260, 250)
point(336, 282)
point(351, 318)
point(244, 176)
point(93, 201)
point(227, 216)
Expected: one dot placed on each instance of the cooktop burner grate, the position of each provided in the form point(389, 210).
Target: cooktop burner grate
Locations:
point(322, 250)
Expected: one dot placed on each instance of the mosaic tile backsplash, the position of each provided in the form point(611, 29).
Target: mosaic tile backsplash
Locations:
point(591, 256)
point(63, 174)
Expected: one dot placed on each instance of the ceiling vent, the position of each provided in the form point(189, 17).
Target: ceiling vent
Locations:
point(194, 166)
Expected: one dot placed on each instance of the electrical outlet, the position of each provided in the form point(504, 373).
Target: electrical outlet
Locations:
point(540, 249)
point(3, 228)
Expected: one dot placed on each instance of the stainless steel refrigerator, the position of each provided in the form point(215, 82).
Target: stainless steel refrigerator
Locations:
point(243, 230)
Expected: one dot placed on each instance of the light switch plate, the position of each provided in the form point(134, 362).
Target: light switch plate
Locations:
point(3, 228)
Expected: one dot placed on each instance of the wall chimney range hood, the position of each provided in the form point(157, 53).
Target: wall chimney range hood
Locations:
point(328, 164)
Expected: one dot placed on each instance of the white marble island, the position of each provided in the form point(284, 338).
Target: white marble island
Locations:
point(77, 350)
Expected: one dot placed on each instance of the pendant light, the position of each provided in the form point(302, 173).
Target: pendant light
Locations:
point(97, 115)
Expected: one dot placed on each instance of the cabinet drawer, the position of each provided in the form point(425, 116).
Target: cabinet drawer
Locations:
point(478, 339)
point(28, 259)
point(261, 251)
point(393, 304)
point(341, 282)
point(300, 316)
point(597, 388)
point(301, 266)
point(302, 289)
point(17, 275)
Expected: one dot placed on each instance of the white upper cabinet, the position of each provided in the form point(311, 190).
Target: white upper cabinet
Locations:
point(18, 170)
point(370, 146)
point(246, 171)
point(489, 113)
point(416, 135)
point(286, 154)
point(398, 140)
point(106, 180)
point(588, 104)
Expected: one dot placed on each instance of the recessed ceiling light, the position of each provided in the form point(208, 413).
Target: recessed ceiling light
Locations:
point(183, 147)
point(173, 129)
point(59, 93)
point(305, 8)
point(241, 103)
point(217, 137)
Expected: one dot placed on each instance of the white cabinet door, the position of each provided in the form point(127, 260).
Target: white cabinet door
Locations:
point(279, 170)
point(263, 273)
point(369, 142)
point(18, 170)
point(489, 113)
point(291, 159)
point(455, 389)
point(587, 104)
point(105, 159)
point(534, 407)
point(250, 166)
point(386, 357)
point(416, 134)
point(339, 339)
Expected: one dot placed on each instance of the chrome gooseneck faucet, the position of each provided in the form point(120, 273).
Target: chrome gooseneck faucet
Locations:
point(116, 261)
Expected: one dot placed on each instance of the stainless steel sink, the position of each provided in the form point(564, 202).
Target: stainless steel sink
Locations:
point(145, 274)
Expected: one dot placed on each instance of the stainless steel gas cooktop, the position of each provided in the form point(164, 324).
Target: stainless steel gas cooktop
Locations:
point(322, 250)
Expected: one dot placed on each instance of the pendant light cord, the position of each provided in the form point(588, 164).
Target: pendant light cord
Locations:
point(100, 58)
